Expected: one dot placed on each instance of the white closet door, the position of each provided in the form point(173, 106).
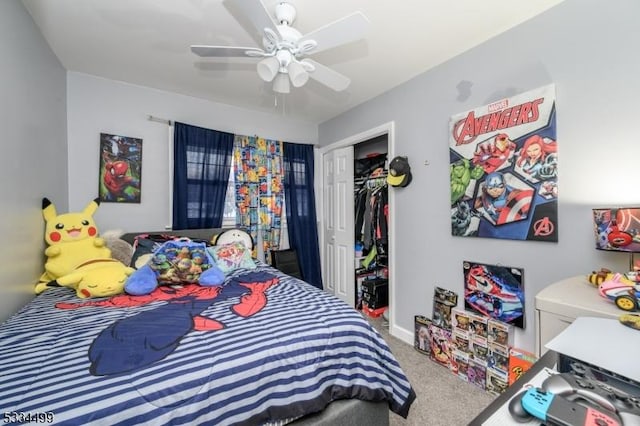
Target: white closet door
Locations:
point(338, 213)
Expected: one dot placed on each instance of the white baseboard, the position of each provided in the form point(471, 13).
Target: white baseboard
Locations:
point(402, 334)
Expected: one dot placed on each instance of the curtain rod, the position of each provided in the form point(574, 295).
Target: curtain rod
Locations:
point(170, 123)
point(160, 120)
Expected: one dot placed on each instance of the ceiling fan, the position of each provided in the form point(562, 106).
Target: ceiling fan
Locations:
point(284, 49)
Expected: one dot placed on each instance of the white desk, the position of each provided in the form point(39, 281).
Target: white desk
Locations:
point(559, 304)
point(497, 413)
point(585, 340)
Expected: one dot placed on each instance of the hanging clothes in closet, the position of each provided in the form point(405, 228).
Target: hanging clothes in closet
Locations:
point(372, 210)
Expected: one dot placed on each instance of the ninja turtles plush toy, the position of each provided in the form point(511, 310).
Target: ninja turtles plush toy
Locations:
point(178, 261)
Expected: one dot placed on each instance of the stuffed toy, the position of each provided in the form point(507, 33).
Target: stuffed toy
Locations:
point(72, 239)
point(233, 235)
point(598, 277)
point(232, 250)
point(96, 278)
point(178, 261)
point(120, 249)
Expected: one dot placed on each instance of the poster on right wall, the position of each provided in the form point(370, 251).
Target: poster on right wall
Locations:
point(495, 291)
point(503, 161)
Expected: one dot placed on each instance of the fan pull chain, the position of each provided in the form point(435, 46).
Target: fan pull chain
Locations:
point(275, 104)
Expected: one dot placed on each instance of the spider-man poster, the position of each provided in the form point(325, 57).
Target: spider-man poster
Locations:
point(504, 167)
point(120, 168)
point(495, 291)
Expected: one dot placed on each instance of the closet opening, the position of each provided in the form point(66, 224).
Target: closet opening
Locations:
point(348, 165)
point(371, 230)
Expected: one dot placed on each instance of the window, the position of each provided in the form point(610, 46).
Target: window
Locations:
point(201, 163)
point(229, 217)
point(202, 182)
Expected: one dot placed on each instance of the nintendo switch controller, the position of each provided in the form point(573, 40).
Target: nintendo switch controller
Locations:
point(555, 409)
point(576, 398)
point(573, 387)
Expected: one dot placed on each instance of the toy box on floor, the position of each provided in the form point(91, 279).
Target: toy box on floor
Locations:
point(375, 292)
point(520, 362)
point(478, 326)
point(362, 274)
point(460, 320)
point(500, 332)
point(477, 373)
point(476, 348)
point(421, 341)
point(462, 361)
point(443, 301)
point(496, 383)
point(440, 344)
point(460, 341)
point(498, 358)
point(372, 312)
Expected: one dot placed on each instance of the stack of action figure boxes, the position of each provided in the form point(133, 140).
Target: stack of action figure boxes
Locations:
point(476, 348)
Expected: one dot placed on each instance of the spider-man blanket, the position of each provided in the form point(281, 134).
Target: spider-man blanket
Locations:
point(263, 347)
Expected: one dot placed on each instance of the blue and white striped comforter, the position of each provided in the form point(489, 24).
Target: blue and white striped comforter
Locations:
point(158, 362)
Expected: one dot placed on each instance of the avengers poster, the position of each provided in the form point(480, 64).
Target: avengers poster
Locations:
point(120, 168)
point(504, 168)
point(494, 291)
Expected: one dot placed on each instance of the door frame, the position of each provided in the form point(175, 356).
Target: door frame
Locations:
point(387, 128)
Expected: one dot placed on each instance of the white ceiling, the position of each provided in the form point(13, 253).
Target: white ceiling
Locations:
point(146, 42)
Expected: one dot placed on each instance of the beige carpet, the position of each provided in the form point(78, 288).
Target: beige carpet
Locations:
point(442, 398)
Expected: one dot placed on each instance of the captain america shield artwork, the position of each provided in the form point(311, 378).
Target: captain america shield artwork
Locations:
point(503, 168)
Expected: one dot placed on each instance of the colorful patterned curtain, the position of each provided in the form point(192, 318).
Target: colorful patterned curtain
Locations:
point(258, 178)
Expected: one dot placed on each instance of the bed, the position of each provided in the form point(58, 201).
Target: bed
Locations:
point(262, 349)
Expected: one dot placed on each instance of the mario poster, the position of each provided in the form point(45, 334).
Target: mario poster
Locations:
point(504, 167)
point(120, 168)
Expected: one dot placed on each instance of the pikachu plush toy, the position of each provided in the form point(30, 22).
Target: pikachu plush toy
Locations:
point(72, 240)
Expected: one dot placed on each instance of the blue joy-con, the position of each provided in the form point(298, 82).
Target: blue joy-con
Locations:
point(537, 402)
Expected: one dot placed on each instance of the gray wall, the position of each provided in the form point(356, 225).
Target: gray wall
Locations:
point(34, 150)
point(97, 105)
point(589, 49)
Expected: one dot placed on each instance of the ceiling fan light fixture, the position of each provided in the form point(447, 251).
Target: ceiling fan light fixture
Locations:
point(297, 74)
point(281, 83)
point(268, 68)
point(284, 57)
point(281, 61)
point(285, 13)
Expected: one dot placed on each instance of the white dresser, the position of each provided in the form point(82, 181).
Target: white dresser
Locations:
point(559, 304)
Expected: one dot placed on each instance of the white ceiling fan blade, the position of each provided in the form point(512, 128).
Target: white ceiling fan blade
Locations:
point(345, 30)
point(225, 51)
point(258, 15)
point(328, 77)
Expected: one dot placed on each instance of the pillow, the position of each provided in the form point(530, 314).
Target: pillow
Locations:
point(178, 261)
point(233, 235)
point(144, 246)
point(229, 257)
